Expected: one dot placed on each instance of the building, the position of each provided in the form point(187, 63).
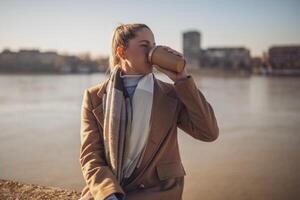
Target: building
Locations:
point(192, 49)
point(284, 57)
point(227, 58)
point(34, 61)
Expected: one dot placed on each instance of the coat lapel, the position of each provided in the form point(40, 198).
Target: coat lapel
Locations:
point(98, 113)
point(98, 110)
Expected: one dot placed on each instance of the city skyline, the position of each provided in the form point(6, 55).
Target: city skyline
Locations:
point(78, 27)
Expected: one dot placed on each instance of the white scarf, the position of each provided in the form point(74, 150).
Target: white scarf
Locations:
point(126, 125)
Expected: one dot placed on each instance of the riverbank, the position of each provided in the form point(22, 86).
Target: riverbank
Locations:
point(12, 190)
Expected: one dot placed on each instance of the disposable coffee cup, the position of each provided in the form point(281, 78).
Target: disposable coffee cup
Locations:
point(160, 56)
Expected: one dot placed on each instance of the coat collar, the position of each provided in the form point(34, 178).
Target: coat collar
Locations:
point(162, 117)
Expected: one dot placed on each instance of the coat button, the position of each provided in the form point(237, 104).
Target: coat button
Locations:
point(141, 186)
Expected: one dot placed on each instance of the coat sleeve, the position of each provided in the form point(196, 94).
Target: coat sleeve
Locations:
point(98, 176)
point(196, 116)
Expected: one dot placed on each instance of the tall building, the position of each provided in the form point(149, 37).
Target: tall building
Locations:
point(192, 49)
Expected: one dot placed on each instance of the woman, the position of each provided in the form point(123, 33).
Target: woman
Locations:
point(129, 148)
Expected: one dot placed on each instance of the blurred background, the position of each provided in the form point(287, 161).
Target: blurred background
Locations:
point(243, 55)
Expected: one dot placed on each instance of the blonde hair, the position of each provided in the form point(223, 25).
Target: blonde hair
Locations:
point(120, 37)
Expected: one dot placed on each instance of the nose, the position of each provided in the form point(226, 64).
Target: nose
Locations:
point(149, 48)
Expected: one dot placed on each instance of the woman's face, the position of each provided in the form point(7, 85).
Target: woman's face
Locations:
point(135, 56)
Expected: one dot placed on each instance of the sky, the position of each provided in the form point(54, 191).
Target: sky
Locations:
point(75, 27)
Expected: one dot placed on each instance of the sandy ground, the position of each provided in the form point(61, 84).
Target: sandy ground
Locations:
point(11, 190)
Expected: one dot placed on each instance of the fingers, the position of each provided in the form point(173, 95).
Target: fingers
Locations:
point(159, 68)
point(172, 75)
point(165, 71)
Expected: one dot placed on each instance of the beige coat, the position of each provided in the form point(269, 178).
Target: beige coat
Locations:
point(161, 173)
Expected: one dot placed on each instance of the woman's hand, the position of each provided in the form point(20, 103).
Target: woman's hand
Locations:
point(174, 76)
